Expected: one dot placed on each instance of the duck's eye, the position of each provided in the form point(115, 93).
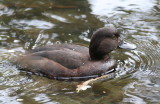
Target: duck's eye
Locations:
point(117, 34)
point(114, 37)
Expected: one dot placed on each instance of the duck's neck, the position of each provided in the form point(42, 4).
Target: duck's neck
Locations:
point(95, 54)
point(93, 49)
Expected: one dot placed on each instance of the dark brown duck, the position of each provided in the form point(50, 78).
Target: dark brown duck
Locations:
point(62, 61)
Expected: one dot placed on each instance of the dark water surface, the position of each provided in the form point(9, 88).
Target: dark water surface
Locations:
point(25, 24)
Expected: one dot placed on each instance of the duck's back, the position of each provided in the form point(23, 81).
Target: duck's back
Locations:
point(67, 55)
point(76, 48)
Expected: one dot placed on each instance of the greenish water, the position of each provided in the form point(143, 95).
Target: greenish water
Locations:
point(25, 24)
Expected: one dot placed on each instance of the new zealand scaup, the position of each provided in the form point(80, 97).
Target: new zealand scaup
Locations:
point(63, 61)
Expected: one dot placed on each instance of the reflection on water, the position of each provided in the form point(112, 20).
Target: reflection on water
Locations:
point(28, 24)
point(108, 8)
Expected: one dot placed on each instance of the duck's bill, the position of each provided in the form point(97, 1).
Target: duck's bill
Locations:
point(126, 45)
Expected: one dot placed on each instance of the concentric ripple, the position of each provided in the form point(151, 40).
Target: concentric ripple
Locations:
point(137, 76)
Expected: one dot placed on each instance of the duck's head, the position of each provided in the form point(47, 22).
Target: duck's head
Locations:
point(105, 40)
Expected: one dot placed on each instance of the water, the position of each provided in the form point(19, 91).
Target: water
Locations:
point(28, 24)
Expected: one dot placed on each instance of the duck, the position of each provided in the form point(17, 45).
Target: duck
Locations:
point(71, 61)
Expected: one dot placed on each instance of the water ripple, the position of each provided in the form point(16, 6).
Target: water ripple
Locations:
point(29, 24)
